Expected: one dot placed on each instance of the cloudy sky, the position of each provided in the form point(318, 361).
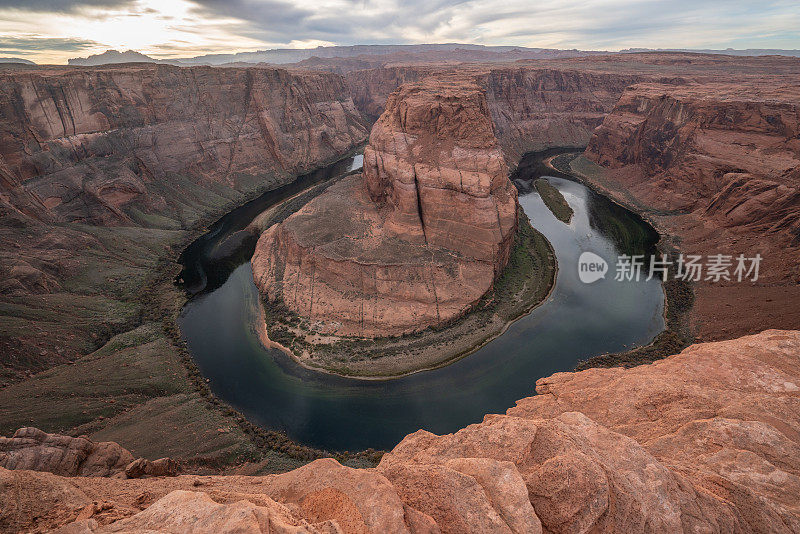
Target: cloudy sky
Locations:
point(50, 31)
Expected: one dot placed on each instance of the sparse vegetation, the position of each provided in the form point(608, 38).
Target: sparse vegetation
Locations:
point(554, 200)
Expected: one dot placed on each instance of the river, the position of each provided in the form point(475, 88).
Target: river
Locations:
point(576, 322)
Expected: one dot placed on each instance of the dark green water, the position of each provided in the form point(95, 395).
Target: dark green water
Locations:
point(577, 321)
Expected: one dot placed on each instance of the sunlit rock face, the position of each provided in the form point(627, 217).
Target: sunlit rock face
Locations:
point(414, 241)
point(702, 441)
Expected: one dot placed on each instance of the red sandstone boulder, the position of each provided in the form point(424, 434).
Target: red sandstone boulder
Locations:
point(30, 448)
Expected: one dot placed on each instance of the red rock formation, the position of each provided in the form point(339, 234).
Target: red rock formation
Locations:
point(532, 108)
point(539, 108)
point(416, 241)
point(32, 449)
point(92, 145)
point(153, 147)
point(703, 441)
point(717, 165)
point(371, 87)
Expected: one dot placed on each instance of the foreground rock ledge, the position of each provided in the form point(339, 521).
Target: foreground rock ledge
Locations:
point(413, 242)
point(704, 441)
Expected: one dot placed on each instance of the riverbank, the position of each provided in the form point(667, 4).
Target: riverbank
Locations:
point(678, 294)
point(135, 371)
point(525, 283)
point(225, 329)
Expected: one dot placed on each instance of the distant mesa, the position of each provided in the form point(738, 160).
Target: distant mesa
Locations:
point(16, 60)
point(110, 57)
point(282, 56)
point(423, 53)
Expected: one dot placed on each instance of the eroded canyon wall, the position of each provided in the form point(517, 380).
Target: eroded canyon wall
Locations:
point(535, 109)
point(532, 108)
point(717, 165)
point(414, 242)
point(102, 169)
point(112, 145)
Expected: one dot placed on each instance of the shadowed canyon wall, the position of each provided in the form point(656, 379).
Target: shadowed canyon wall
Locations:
point(101, 145)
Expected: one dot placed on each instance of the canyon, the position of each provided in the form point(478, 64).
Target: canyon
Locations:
point(719, 168)
point(98, 163)
point(108, 172)
point(728, 156)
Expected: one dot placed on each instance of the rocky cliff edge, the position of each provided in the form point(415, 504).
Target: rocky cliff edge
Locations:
point(704, 441)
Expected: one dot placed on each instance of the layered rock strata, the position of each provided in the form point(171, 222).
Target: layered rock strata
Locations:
point(102, 169)
point(703, 441)
point(532, 108)
point(413, 242)
point(717, 165)
point(107, 145)
point(32, 449)
point(539, 108)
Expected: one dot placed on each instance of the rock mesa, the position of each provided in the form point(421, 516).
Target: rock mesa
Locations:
point(414, 241)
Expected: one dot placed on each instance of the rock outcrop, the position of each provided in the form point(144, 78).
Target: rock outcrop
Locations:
point(114, 144)
point(703, 441)
point(718, 165)
point(414, 242)
point(182, 511)
point(32, 449)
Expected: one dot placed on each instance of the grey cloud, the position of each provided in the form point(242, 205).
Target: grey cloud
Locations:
point(62, 6)
point(280, 21)
point(33, 44)
point(566, 24)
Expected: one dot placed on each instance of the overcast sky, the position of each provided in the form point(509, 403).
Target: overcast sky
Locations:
point(50, 31)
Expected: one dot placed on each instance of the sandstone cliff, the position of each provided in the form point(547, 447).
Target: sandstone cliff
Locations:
point(417, 239)
point(371, 87)
point(107, 146)
point(717, 165)
point(102, 169)
point(703, 441)
point(535, 109)
point(532, 108)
